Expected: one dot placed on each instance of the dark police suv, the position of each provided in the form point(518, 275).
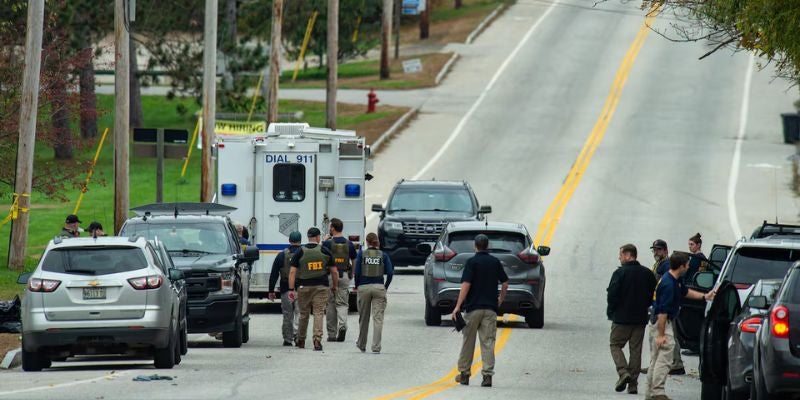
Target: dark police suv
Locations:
point(203, 243)
point(417, 212)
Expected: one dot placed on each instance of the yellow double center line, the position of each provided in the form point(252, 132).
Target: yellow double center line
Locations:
point(548, 224)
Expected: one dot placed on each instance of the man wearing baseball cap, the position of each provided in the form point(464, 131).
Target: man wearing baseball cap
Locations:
point(70, 229)
point(308, 283)
point(661, 267)
point(281, 267)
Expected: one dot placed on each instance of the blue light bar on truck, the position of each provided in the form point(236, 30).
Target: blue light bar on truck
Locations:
point(352, 190)
point(228, 189)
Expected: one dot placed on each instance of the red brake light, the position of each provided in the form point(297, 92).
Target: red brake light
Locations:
point(43, 285)
point(146, 282)
point(444, 254)
point(780, 322)
point(742, 286)
point(529, 257)
point(750, 325)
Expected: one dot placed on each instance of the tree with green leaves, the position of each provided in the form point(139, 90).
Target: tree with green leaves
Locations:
point(769, 28)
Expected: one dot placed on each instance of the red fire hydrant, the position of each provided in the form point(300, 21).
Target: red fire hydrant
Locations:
point(372, 100)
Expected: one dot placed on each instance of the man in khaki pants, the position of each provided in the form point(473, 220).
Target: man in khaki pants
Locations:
point(667, 303)
point(310, 267)
point(479, 297)
point(371, 265)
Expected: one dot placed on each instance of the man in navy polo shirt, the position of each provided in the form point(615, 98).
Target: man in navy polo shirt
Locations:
point(669, 292)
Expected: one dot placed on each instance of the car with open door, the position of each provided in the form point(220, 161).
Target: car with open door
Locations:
point(776, 351)
point(715, 334)
point(510, 243)
point(768, 254)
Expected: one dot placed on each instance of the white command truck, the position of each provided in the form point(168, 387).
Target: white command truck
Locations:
point(291, 178)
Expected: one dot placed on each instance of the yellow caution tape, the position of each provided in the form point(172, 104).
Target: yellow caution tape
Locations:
point(15, 210)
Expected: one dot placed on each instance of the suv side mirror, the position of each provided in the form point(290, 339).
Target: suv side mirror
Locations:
point(485, 210)
point(424, 248)
point(176, 274)
point(757, 302)
point(704, 280)
point(24, 277)
point(251, 254)
point(543, 250)
point(377, 208)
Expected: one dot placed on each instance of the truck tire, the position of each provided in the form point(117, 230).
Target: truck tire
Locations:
point(535, 317)
point(234, 338)
point(164, 358)
point(246, 332)
point(34, 361)
point(432, 316)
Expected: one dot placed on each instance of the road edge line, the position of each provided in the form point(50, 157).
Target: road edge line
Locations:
point(736, 162)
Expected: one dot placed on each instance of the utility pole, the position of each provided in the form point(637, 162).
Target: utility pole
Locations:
point(397, 10)
point(274, 60)
point(386, 37)
point(27, 134)
point(209, 100)
point(122, 123)
point(424, 20)
point(333, 63)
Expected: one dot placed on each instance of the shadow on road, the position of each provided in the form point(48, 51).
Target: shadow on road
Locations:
point(409, 270)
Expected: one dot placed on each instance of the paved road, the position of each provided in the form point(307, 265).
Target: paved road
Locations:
point(661, 161)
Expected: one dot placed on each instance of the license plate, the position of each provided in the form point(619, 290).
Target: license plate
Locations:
point(94, 293)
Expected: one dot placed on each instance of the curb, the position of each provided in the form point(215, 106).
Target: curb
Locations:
point(12, 359)
point(393, 129)
point(445, 69)
point(486, 21)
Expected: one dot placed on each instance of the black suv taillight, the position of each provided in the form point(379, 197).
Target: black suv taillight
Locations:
point(780, 322)
point(444, 254)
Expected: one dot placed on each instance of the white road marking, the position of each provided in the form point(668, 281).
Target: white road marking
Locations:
point(111, 376)
point(733, 178)
point(463, 122)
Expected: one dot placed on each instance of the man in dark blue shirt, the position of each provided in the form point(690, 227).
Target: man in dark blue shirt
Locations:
point(482, 273)
point(371, 265)
point(280, 267)
point(344, 254)
point(669, 292)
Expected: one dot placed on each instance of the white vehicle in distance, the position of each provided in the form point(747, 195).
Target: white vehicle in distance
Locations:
point(106, 295)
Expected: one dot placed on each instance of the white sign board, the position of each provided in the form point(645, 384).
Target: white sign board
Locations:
point(412, 66)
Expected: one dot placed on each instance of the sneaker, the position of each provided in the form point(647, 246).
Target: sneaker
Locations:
point(331, 338)
point(301, 343)
point(643, 370)
point(622, 382)
point(317, 345)
point(341, 335)
point(677, 371)
point(487, 381)
point(287, 343)
point(363, 349)
point(463, 378)
point(632, 388)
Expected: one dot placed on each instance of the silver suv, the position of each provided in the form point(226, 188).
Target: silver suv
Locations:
point(109, 295)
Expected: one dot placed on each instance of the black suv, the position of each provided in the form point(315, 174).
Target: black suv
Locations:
point(417, 212)
point(203, 243)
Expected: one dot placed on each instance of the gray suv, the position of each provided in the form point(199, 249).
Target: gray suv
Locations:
point(510, 243)
point(106, 295)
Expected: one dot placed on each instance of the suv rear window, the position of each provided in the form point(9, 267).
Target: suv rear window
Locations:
point(94, 261)
point(431, 199)
point(499, 242)
point(750, 264)
point(184, 236)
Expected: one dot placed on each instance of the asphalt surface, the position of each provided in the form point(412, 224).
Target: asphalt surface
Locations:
point(660, 168)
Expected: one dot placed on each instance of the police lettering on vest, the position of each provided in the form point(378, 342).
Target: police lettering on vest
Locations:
point(313, 264)
point(341, 256)
point(372, 263)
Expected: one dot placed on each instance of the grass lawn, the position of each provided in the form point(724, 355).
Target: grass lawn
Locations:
point(47, 215)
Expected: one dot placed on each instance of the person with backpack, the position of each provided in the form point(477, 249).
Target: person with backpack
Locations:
point(344, 255)
point(280, 268)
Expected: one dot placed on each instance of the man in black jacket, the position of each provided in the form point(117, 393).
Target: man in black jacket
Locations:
point(630, 294)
